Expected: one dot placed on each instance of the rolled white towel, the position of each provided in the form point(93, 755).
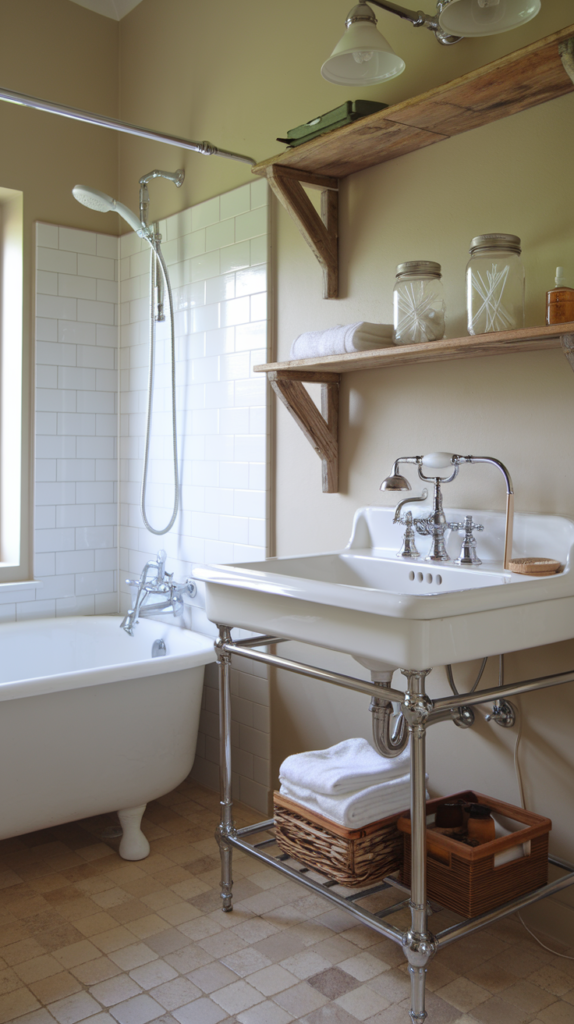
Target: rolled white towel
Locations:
point(344, 768)
point(355, 810)
point(338, 340)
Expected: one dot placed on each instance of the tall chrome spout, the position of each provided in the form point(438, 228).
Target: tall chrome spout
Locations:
point(435, 525)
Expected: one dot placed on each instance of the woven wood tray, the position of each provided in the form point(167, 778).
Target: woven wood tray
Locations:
point(464, 878)
point(352, 857)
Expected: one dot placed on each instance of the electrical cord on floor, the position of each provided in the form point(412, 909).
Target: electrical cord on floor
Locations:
point(520, 784)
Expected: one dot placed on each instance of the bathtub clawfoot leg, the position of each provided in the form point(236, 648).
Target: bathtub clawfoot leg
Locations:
point(226, 826)
point(134, 845)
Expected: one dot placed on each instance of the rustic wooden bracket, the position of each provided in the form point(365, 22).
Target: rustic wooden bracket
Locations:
point(320, 232)
point(320, 428)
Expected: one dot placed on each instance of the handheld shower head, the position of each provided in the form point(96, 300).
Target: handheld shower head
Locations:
point(96, 200)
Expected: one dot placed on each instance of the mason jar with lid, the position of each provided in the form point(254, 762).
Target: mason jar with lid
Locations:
point(494, 284)
point(418, 303)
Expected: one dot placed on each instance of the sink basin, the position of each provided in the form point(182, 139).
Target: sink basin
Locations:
point(406, 613)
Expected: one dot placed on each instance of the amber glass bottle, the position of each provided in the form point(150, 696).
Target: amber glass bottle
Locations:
point(480, 824)
point(560, 301)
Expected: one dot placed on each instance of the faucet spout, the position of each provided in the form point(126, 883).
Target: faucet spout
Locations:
point(142, 594)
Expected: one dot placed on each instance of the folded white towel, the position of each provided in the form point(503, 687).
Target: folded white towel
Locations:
point(355, 810)
point(343, 768)
point(337, 340)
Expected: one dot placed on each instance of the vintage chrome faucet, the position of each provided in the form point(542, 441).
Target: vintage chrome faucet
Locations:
point(161, 583)
point(435, 524)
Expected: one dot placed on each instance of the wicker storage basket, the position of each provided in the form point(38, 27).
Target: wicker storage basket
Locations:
point(352, 857)
point(471, 880)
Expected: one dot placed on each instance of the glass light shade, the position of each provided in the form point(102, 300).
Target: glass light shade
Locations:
point(362, 57)
point(485, 17)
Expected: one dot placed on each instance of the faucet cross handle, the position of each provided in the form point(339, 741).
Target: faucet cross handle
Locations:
point(468, 555)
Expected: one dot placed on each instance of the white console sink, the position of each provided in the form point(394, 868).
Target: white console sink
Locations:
point(406, 613)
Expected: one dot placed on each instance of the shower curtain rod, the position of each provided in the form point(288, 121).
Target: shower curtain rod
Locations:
point(118, 126)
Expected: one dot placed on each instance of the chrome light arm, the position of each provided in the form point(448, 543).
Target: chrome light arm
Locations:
point(419, 20)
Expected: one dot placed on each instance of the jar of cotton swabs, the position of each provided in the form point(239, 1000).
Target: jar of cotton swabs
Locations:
point(494, 284)
point(418, 303)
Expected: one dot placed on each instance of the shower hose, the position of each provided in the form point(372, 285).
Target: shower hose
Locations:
point(157, 258)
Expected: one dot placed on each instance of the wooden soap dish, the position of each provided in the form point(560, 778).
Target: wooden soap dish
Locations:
point(535, 566)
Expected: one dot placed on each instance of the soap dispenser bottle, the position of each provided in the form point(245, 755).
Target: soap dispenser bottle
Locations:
point(560, 301)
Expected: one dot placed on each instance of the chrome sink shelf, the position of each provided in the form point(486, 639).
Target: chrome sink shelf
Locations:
point(420, 711)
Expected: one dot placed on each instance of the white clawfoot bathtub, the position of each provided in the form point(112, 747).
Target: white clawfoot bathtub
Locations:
point(90, 722)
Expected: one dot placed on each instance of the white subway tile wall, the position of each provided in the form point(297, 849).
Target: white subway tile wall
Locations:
point(76, 502)
point(216, 253)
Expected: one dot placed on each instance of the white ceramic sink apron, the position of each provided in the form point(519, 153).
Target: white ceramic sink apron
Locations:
point(407, 613)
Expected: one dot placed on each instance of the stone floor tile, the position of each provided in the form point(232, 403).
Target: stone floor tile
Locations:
point(246, 961)
point(134, 956)
point(280, 946)
point(271, 980)
point(36, 969)
point(363, 967)
point(16, 1003)
point(202, 1011)
point(200, 928)
point(492, 977)
point(393, 985)
point(75, 1008)
point(212, 977)
point(139, 1010)
point(222, 944)
point(559, 1012)
point(330, 1014)
point(237, 997)
point(362, 1002)
point(155, 973)
point(57, 986)
point(115, 990)
point(552, 979)
point(301, 999)
point(463, 994)
point(528, 997)
point(333, 982)
point(496, 1010)
point(175, 993)
point(265, 1013)
point(303, 965)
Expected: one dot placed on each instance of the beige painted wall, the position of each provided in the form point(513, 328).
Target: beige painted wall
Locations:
point(57, 51)
point(239, 76)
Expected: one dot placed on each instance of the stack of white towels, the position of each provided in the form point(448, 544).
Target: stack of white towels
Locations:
point(349, 783)
point(358, 337)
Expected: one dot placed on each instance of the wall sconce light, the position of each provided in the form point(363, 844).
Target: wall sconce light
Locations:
point(364, 57)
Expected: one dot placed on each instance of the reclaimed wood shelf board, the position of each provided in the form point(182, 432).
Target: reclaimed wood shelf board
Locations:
point(516, 82)
point(527, 339)
point(320, 426)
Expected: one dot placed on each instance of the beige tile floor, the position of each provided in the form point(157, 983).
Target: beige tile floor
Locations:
point(85, 936)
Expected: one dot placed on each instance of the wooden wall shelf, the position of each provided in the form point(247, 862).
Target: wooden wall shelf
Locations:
point(321, 427)
point(516, 82)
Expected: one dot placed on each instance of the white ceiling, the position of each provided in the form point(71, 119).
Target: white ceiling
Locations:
point(116, 9)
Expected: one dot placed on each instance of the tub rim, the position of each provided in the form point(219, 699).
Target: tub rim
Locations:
point(101, 675)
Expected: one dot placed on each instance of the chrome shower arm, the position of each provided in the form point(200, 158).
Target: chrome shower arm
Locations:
point(206, 148)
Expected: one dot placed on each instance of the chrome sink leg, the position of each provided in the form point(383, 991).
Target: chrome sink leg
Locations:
point(226, 825)
point(419, 944)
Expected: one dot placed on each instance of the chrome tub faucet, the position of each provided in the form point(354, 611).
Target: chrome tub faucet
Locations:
point(160, 583)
